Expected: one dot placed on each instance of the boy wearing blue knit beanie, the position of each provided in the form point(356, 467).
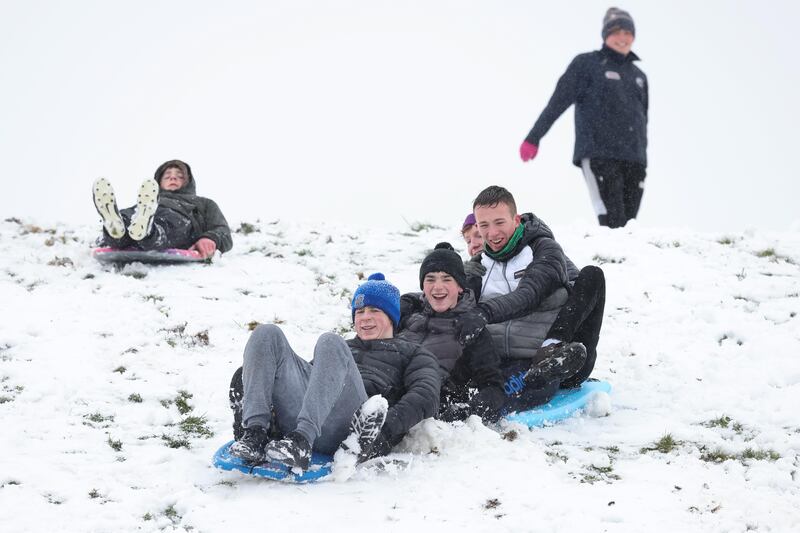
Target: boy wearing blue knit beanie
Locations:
point(288, 407)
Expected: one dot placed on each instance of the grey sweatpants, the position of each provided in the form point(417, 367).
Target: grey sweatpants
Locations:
point(316, 400)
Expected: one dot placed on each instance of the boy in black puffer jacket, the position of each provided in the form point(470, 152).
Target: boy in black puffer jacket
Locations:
point(168, 214)
point(431, 321)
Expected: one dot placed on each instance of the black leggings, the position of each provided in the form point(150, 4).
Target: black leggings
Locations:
point(581, 318)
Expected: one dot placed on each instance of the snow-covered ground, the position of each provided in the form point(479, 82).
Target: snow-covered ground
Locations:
point(112, 381)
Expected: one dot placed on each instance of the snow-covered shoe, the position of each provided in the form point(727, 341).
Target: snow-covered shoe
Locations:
point(250, 447)
point(365, 426)
point(293, 450)
point(146, 205)
point(558, 361)
point(106, 204)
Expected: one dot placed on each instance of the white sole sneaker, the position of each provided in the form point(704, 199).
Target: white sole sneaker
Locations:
point(365, 426)
point(106, 204)
point(146, 205)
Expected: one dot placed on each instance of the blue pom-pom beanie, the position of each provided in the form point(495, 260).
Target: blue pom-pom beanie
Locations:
point(377, 292)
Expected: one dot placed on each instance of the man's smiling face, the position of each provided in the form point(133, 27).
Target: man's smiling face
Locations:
point(497, 224)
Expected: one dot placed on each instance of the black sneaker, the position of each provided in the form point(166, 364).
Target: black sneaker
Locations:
point(106, 204)
point(146, 205)
point(250, 447)
point(293, 450)
point(556, 362)
point(236, 401)
point(365, 426)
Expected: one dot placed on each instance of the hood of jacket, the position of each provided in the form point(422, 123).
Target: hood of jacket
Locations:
point(189, 187)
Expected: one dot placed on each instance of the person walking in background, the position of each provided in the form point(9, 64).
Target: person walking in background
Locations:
point(610, 94)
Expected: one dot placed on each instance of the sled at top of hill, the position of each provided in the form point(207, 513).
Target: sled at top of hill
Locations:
point(158, 257)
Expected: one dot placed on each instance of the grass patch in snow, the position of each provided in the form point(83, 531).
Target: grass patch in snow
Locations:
point(196, 425)
point(418, 226)
point(245, 228)
point(115, 445)
point(135, 398)
point(601, 260)
point(182, 401)
point(176, 441)
point(178, 334)
point(61, 262)
point(759, 455)
point(98, 420)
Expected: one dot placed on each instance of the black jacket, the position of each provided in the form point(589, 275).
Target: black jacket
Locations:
point(610, 94)
point(206, 217)
point(549, 270)
point(458, 365)
point(405, 374)
point(520, 318)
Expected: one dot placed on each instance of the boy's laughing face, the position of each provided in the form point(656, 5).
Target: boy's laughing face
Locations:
point(441, 291)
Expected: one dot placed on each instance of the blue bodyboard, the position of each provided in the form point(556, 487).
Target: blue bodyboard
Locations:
point(320, 467)
point(563, 405)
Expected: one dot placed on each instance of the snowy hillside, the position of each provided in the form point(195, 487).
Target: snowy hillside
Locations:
point(112, 384)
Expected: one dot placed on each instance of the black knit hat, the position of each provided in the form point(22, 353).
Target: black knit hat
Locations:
point(444, 258)
point(617, 19)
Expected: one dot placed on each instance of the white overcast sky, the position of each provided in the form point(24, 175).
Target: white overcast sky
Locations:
point(376, 111)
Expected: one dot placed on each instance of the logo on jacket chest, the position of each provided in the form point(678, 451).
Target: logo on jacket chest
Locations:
point(613, 75)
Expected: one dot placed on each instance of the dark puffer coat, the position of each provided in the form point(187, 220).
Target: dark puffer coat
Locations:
point(406, 374)
point(206, 217)
point(610, 94)
point(523, 291)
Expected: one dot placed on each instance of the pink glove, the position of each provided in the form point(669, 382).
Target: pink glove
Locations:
point(528, 151)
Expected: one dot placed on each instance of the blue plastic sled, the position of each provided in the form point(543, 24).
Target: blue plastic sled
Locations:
point(320, 467)
point(563, 405)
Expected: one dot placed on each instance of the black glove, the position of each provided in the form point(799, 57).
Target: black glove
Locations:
point(410, 303)
point(470, 324)
point(380, 447)
point(454, 411)
point(474, 269)
point(488, 403)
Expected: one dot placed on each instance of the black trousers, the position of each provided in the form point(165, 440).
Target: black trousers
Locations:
point(620, 185)
point(170, 230)
point(579, 320)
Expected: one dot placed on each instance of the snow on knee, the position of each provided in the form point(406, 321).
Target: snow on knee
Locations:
point(598, 405)
point(374, 404)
